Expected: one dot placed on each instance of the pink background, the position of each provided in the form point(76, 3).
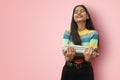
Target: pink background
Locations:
point(31, 35)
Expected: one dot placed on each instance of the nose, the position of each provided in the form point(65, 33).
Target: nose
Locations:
point(79, 12)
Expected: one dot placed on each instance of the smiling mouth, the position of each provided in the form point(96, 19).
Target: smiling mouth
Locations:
point(79, 16)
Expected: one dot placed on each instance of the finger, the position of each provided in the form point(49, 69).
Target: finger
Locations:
point(96, 49)
point(68, 49)
point(93, 51)
point(86, 50)
point(65, 52)
point(72, 50)
point(90, 50)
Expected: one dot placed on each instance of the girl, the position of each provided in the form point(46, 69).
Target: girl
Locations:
point(82, 32)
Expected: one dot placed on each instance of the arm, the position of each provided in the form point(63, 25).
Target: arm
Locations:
point(70, 52)
point(91, 53)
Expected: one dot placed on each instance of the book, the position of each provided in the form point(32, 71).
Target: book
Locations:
point(78, 48)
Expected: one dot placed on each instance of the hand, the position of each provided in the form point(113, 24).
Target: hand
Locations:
point(89, 54)
point(70, 53)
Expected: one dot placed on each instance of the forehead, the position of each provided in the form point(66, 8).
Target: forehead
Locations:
point(79, 8)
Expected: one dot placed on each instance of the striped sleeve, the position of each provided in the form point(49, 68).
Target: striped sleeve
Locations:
point(94, 40)
point(65, 39)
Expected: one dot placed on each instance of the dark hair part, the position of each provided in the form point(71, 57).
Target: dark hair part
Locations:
point(74, 33)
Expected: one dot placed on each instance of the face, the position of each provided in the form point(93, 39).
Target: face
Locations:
point(80, 14)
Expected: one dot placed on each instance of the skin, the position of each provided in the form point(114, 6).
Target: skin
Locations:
point(80, 17)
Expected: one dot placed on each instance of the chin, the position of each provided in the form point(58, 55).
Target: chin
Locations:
point(79, 21)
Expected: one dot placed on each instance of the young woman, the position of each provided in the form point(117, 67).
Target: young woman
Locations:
point(82, 32)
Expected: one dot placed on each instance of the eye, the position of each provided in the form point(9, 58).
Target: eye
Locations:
point(82, 10)
point(76, 11)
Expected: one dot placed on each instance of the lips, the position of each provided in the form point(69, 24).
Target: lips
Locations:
point(79, 16)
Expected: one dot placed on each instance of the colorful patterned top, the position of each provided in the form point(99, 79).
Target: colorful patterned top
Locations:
point(88, 38)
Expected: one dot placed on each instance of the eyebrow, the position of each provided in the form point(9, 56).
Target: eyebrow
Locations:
point(80, 9)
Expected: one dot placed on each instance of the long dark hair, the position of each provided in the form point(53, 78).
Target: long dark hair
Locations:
point(74, 33)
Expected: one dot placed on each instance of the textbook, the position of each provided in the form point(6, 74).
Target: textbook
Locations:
point(78, 48)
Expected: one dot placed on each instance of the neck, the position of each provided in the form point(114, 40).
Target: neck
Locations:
point(81, 26)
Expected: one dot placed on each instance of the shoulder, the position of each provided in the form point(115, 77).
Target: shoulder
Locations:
point(67, 31)
point(87, 32)
point(94, 32)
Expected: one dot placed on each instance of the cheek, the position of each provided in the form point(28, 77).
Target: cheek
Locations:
point(85, 15)
point(75, 17)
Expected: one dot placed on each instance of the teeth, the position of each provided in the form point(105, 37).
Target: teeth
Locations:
point(79, 16)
